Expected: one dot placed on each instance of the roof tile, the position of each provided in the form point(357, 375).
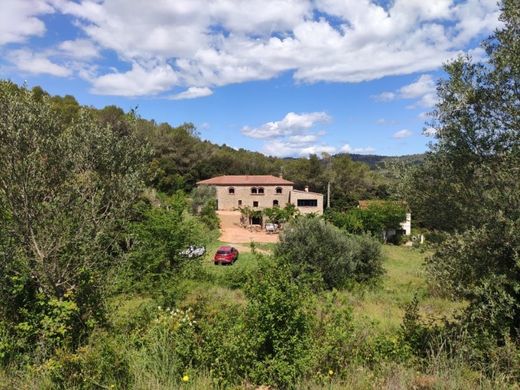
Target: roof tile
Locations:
point(245, 180)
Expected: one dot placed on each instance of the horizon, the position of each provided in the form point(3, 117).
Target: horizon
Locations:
point(286, 78)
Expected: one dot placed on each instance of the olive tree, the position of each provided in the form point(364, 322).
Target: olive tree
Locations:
point(469, 184)
point(65, 190)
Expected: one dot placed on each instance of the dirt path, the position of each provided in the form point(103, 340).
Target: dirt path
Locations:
point(231, 231)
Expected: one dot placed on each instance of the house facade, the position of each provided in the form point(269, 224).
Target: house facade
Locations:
point(260, 192)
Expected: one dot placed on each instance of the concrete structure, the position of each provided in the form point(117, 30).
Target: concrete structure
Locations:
point(262, 191)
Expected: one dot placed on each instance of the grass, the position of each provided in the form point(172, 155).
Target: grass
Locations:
point(383, 305)
point(246, 262)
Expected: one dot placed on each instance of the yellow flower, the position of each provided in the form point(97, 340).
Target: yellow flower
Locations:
point(185, 378)
point(331, 372)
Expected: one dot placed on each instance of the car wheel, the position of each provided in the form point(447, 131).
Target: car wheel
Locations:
point(216, 262)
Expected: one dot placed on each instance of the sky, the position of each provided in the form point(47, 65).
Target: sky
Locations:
point(283, 77)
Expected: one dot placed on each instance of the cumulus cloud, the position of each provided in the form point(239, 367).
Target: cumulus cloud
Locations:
point(349, 149)
point(216, 43)
point(297, 135)
point(79, 49)
point(36, 63)
point(193, 93)
point(405, 133)
point(283, 148)
point(291, 124)
point(19, 19)
point(138, 81)
point(423, 90)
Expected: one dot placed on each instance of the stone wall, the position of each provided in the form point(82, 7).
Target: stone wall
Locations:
point(227, 201)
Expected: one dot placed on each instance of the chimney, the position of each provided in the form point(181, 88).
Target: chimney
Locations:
point(306, 188)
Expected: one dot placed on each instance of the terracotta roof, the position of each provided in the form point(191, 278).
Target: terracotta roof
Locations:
point(237, 180)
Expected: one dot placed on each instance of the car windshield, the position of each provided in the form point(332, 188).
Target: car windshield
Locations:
point(222, 252)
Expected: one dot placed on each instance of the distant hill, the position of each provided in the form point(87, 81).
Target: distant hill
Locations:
point(375, 161)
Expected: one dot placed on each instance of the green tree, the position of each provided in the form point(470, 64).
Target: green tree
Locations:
point(313, 246)
point(66, 187)
point(470, 180)
point(158, 240)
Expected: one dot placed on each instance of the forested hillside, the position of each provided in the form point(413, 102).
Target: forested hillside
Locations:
point(180, 158)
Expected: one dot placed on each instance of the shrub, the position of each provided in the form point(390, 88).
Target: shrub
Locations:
point(100, 364)
point(312, 245)
point(158, 240)
point(277, 325)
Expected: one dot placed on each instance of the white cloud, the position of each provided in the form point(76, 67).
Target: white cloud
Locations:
point(423, 90)
point(429, 132)
point(284, 149)
point(348, 149)
point(19, 19)
point(385, 97)
point(291, 124)
point(296, 135)
point(138, 81)
point(193, 93)
point(36, 63)
point(405, 133)
point(383, 122)
point(79, 49)
point(221, 42)
point(293, 135)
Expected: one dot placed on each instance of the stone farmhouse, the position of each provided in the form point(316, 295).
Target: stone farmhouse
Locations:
point(262, 191)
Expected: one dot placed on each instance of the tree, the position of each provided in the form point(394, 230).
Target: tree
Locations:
point(474, 163)
point(66, 187)
point(469, 184)
point(378, 217)
point(311, 245)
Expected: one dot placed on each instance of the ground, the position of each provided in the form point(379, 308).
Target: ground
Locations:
point(382, 305)
point(232, 233)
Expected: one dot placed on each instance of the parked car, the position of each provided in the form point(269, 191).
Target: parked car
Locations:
point(193, 252)
point(225, 255)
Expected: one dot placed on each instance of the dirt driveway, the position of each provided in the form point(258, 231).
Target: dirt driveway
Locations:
point(231, 231)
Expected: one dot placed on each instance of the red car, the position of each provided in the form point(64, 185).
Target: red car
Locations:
point(225, 255)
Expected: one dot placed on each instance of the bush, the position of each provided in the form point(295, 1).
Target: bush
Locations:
point(312, 245)
point(482, 266)
point(378, 217)
point(158, 240)
point(277, 325)
point(100, 364)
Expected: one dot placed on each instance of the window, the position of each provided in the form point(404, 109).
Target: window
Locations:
point(261, 190)
point(255, 204)
point(254, 190)
point(275, 203)
point(231, 191)
point(278, 190)
point(307, 203)
point(240, 202)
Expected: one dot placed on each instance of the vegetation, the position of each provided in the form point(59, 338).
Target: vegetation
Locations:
point(376, 218)
point(97, 206)
point(311, 245)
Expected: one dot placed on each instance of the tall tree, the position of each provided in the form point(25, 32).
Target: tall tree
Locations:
point(66, 186)
point(470, 180)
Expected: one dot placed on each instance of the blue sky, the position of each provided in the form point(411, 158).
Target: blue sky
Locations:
point(284, 77)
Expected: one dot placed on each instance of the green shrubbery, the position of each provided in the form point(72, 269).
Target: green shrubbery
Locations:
point(375, 219)
point(66, 190)
point(312, 245)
